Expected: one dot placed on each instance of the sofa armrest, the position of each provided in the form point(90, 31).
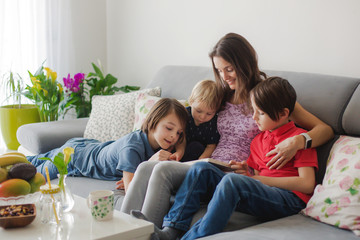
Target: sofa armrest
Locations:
point(44, 136)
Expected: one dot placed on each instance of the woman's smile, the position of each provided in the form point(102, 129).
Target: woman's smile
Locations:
point(231, 83)
point(226, 71)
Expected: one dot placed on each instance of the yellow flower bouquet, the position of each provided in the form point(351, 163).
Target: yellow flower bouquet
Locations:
point(46, 92)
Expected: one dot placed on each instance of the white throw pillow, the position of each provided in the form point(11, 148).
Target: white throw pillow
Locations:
point(113, 116)
point(337, 200)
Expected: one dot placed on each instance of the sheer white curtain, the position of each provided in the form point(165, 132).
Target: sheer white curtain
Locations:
point(60, 37)
point(31, 32)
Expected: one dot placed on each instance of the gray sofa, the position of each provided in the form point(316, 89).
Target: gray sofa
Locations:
point(334, 99)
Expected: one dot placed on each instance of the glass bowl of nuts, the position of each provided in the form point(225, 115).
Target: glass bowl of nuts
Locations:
point(22, 199)
point(13, 216)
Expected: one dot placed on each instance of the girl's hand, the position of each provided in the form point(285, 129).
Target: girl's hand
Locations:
point(176, 156)
point(161, 155)
point(285, 151)
point(120, 184)
point(239, 167)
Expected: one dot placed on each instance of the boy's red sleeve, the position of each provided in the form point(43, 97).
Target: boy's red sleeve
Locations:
point(306, 158)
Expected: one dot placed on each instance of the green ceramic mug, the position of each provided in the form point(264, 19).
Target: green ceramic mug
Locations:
point(101, 204)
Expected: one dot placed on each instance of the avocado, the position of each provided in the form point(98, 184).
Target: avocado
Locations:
point(23, 171)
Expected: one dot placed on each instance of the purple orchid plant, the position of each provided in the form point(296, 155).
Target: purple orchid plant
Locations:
point(80, 90)
point(75, 96)
point(73, 84)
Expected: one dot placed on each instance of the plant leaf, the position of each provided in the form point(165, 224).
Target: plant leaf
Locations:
point(46, 158)
point(98, 71)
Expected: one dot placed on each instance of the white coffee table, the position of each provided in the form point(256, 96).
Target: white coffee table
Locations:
point(79, 224)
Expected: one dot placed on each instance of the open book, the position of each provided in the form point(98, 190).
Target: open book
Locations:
point(224, 166)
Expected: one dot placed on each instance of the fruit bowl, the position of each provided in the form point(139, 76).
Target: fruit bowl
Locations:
point(13, 216)
point(30, 198)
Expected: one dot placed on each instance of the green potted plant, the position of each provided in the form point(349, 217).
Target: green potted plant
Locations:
point(80, 90)
point(12, 116)
point(46, 92)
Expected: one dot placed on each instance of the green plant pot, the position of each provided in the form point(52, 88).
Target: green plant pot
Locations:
point(12, 117)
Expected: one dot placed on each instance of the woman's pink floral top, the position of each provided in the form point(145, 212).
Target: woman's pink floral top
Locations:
point(236, 133)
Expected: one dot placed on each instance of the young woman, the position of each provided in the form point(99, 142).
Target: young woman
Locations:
point(112, 160)
point(236, 71)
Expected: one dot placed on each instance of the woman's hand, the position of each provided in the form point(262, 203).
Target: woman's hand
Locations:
point(239, 167)
point(120, 184)
point(161, 155)
point(285, 151)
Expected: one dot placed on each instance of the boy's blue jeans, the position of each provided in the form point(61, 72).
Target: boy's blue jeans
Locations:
point(230, 192)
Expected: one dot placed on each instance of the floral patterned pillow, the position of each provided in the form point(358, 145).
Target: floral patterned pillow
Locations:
point(113, 116)
point(144, 103)
point(337, 200)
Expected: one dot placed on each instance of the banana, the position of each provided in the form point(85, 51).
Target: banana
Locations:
point(14, 153)
point(9, 159)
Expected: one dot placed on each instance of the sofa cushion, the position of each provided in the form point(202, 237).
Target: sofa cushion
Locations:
point(113, 116)
point(296, 227)
point(35, 137)
point(238, 220)
point(352, 115)
point(178, 81)
point(336, 200)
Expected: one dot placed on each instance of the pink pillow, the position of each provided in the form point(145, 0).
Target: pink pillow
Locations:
point(144, 102)
point(337, 200)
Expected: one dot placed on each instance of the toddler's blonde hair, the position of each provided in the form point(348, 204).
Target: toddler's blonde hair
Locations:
point(207, 92)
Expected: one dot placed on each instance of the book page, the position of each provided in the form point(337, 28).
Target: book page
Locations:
point(226, 167)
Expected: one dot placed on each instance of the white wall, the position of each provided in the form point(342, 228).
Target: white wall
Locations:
point(319, 36)
point(84, 41)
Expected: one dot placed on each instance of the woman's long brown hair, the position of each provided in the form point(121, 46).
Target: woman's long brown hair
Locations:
point(236, 50)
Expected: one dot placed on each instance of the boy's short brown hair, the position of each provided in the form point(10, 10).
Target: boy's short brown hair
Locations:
point(206, 91)
point(161, 109)
point(273, 95)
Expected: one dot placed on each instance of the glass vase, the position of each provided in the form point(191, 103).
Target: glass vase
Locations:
point(67, 199)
